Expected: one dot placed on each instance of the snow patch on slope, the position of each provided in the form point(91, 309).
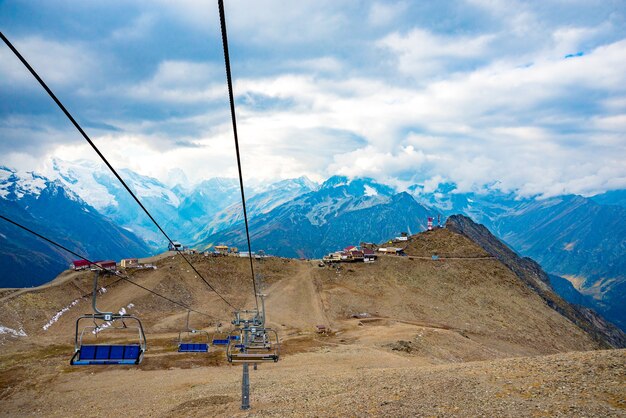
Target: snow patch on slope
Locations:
point(11, 331)
point(20, 183)
point(59, 314)
point(81, 178)
point(108, 324)
point(370, 191)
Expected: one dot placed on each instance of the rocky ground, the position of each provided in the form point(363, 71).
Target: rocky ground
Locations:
point(334, 379)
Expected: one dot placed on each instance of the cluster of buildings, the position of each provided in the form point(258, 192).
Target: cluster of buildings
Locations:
point(351, 254)
point(227, 251)
point(127, 263)
point(224, 250)
point(217, 251)
point(368, 252)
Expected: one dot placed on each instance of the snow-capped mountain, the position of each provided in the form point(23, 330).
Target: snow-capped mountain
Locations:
point(206, 199)
point(14, 186)
point(49, 208)
point(97, 186)
point(340, 212)
point(260, 201)
point(484, 207)
point(183, 210)
point(574, 237)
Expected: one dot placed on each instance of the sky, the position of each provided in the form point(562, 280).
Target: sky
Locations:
point(528, 97)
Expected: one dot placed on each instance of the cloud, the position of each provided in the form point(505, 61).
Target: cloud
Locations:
point(140, 27)
point(59, 63)
point(317, 65)
point(381, 14)
point(179, 82)
point(421, 53)
point(476, 92)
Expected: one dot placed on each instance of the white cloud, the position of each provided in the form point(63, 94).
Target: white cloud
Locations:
point(326, 64)
point(381, 14)
point(324, 88)
point(473, 119)
point(179, 82)
point(59, 64)
point(140, 28)
point(422, 53)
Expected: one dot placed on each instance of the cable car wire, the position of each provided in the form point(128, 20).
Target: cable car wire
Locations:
point(116, 273)
point(234, 122)
point(95, 148)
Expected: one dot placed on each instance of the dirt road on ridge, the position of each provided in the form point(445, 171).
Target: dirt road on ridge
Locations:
point(296, 301)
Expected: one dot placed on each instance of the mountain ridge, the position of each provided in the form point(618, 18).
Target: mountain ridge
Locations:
point(49, 208)
point(577, 238)
point(532, 274)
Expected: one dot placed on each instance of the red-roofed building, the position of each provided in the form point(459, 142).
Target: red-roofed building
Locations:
point(356, 255)
point(80, 265)
point(350, 248)
point(106, 264)
point(369, 255)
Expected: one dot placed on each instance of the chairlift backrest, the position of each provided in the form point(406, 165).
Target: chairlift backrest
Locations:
point(193, 340)
point(250, 351)
point(107, 354)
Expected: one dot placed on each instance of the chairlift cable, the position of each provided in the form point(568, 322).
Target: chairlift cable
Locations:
point(234, 122)
point(103, 158)
point(117, 274)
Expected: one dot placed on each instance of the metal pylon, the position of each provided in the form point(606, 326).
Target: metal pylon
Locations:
point(245, 380)
point(245, 388)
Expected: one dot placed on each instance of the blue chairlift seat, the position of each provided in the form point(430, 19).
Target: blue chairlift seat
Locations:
point(107, 354)
point(235, 337)
point(103, 354)
point(193, 348)
point(217, 341)
point(195, 341)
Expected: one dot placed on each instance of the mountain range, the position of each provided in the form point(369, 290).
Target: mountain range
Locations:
point(480, 333)
point(52, 210)
point(579, 240)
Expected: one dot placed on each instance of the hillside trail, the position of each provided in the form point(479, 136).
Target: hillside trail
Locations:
point(68, 275)
point(58, 281)
point(294, 302)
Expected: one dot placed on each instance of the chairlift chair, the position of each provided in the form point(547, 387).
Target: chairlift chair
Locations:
point(107, 354)
point(191, 344)
point(258, 340)
point(258, 345)
point(220, 338)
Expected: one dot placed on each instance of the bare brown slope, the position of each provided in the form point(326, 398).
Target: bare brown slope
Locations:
point(424, 317)
point(479, 299)
point(531, 273)
point(32, 309)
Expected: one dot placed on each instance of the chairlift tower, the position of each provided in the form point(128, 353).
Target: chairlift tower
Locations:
point(245, 376)
point(256, 345)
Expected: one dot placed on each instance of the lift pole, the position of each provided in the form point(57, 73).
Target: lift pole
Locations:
point(245, 380)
